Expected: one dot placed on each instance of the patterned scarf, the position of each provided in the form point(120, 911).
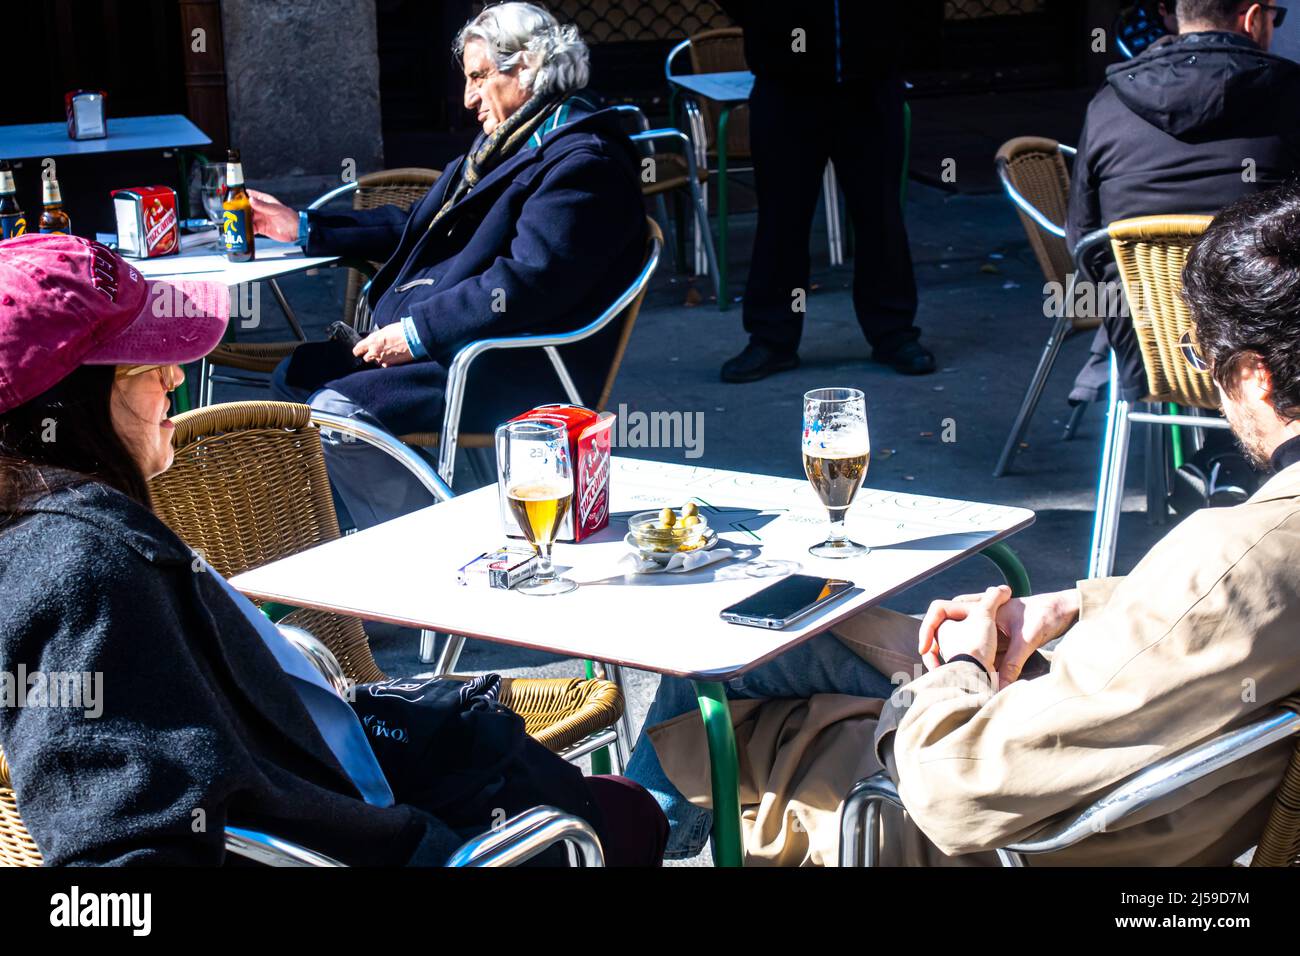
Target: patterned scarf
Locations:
point(500, 145)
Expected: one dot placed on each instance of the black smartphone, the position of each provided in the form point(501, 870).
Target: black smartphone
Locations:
point(781, 604)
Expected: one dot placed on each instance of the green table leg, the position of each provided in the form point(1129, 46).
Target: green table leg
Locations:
point(1012, 569)
point(725, 772)
point(724, 298)
point(1176, 445)
point(600, 762)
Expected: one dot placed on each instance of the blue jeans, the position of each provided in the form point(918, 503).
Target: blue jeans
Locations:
point(822, 665)
point(369, 487)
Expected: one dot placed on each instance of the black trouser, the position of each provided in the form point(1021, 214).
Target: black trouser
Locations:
point(793, 131)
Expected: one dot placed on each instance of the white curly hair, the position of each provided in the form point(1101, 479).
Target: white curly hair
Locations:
point(553, 56)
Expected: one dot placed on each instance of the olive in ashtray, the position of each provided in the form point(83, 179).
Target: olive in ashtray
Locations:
point(666, 531)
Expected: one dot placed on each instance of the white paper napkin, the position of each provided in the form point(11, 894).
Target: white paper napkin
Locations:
point(683, 561)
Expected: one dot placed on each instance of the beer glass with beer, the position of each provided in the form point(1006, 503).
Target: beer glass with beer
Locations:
point(836, 452)
point(534, 469)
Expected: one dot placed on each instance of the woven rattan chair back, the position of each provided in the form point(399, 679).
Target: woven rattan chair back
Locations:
point(1279, 845)
point(17, 848)
point(248, 486)
point(1037, 169)
point(1151, 252)
point(389, 187)
point(722, 51)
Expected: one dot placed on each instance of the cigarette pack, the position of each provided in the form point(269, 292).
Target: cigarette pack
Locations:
point(500, 568)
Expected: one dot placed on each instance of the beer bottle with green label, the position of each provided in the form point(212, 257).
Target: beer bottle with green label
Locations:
point(12, 220)
point(236, 213)
point(53, 218)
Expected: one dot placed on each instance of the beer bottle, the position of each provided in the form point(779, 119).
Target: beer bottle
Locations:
point(236, 213)
point(53, 218)
point(12, 221)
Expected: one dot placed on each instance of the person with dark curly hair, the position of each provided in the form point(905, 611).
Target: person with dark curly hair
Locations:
point(1014, 711)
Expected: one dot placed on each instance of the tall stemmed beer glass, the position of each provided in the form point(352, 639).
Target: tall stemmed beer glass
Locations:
point(836, 452)
point(534, 469)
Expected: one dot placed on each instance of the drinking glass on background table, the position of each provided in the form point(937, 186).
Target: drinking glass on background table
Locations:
point(213, 190)
point(836, 452)
point(534, 469)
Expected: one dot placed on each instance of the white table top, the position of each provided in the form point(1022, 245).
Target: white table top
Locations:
point(209, 262)
point(124, 134)
point(730, 87)
point(404, 571)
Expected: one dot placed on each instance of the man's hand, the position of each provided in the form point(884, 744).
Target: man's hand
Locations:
point(272, 218)
point(387, 346)
point(968, 627)
point(1024, 624)
point(1031, 622)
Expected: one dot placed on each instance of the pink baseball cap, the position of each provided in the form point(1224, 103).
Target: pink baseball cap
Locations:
point(67, 301)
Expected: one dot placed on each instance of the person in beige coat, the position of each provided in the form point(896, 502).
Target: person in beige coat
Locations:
point(1004, 713)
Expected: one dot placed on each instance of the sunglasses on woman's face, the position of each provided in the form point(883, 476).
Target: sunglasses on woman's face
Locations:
point(164, 374)
point(1192, 353)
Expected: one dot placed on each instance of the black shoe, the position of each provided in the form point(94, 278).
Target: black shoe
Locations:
point(911, 358)
point(757, 362)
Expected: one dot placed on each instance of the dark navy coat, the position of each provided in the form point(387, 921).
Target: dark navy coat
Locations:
point(543, 243)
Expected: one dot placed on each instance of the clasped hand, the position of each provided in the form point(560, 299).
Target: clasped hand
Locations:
point(999, 631)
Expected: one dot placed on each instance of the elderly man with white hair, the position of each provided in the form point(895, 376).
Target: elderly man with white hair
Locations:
point(536, 229)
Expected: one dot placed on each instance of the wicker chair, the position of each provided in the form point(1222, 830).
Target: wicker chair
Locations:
point(249, 486)
point(1279, 843)
point(1035, 178)
point(1150, 252)
point(677, 173)
point(390, 187)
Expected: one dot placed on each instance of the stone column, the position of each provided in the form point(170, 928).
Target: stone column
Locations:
point(302, 84)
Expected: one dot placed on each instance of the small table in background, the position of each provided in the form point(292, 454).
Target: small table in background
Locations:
point(728, 90)
point(208, 262)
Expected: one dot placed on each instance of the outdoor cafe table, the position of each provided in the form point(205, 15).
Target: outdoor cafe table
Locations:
point(404, 572)
point(728, 90)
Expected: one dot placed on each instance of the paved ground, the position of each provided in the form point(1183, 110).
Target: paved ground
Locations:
point(981, 312)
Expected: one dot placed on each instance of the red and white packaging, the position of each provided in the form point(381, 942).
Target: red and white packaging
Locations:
point(590, 434)
point(147, 224)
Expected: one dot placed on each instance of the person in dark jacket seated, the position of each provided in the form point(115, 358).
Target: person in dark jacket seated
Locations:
point(144, 703)
point(1190, 125)
point(538, 228)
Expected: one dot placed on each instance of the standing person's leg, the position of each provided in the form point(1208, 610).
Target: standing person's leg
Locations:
point(867, 150)
point(369, 486)
point(789, 151)
point(825, 664)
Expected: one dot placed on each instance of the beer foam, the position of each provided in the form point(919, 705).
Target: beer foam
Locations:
point(825, 445)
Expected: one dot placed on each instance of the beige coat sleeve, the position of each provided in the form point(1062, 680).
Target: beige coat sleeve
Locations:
point(1178, 651)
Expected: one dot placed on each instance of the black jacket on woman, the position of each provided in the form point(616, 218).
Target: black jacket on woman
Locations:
point(199, 727)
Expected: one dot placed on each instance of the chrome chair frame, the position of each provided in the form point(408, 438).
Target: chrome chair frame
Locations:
point(1115, 447)
point(706, 257)
point(700, 138)
point(860, 814)
point(454, 396)
point(517, 840)
point(1062, 327)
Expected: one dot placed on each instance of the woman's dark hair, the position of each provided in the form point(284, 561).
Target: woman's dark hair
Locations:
point(62, 438)
point(1242, 283)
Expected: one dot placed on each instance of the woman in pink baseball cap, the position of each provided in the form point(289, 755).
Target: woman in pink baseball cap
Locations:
point(89, 350)
point(187, 702)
